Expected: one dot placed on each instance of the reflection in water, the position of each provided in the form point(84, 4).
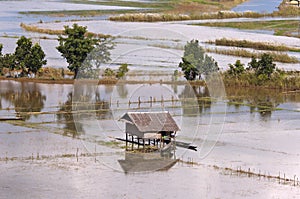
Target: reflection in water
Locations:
point(122, 90)
point(259, 100)
point(66, 116)
point(26, 99)
point(147, 162)
point(195, 96)
point(83, 104)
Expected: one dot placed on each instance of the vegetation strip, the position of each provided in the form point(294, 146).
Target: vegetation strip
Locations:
point(32, 28)
point(280, 27)
point(252, 44)
point(279, 57)
point(155, 17)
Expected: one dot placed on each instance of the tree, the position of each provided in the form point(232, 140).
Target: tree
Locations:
point(22, 53)
point(108, 72)
point(123, 69)
point(190, 71)
point(36, 59)
point(236, 69)
point(263, 67)
point(77, 45)
point(27, 57)
point(195, 62)
point(7, 61)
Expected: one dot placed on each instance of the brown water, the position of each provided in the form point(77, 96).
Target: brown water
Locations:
point(58, 152)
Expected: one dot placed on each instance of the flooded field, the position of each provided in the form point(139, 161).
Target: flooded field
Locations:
point(59, 140)
point(249, 129)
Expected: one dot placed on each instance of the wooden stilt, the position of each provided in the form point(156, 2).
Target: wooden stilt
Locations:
point(132, 142)
point(160, 141)
point(126, 142)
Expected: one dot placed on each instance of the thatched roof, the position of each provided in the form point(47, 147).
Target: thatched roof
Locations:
point(151, 121)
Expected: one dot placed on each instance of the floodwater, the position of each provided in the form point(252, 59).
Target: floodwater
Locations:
point(266, 6)
point(65, 146)
point(248, 129)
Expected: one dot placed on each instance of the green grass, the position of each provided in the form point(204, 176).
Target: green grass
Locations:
point(252, 44)
point(278, 57)
point(32, 28)
point(283, 80)
point(280, 27)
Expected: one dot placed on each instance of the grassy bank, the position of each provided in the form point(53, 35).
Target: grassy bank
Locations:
point(289, 81)
point(253, 45)
point(81, 13)
point(278, 57)
point(279, 27)
point(32, 28)
point(155, 17)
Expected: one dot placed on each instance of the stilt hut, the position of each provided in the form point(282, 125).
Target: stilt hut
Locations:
point(157, 128)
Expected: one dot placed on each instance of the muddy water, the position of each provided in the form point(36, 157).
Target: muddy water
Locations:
point(254, 129)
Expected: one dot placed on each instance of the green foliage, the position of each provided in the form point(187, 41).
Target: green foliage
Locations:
point(236, 69)
point(26, 57)
point(77, 45)
point(190, 71)
point(7, 61)
point(22, 53)
point(195, 62)
point(108, 72)
point(123, 69)
point(264, 67)
point(36, 59)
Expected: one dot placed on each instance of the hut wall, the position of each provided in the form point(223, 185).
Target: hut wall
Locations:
point(133, 130)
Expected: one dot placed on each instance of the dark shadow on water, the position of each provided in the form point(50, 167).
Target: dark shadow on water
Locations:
point(26, 98)
point(136, 162)
point(195, 100)
point(80, 108)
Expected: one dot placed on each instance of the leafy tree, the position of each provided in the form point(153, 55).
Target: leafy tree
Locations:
point(77, 45)
point(190, 71)
point(195, 62)
point(264, 67)
point(123, 69)
point(27, 57)
point(7, 61)
point(36, 59)
point(236, 69)
point(209, 65)
point(108, 72)
point(22, 53)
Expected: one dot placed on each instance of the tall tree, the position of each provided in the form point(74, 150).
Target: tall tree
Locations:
point(27, 57)
point(264, 66)
point(236, 69)
point(22, 53)
point(77, 45)
point(195, 62)
point(36, 59)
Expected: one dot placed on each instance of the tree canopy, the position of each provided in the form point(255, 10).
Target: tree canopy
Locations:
point(236, 69)
point(264, 66)
point(27, 57)
point(77, 45)
point(195, 62)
